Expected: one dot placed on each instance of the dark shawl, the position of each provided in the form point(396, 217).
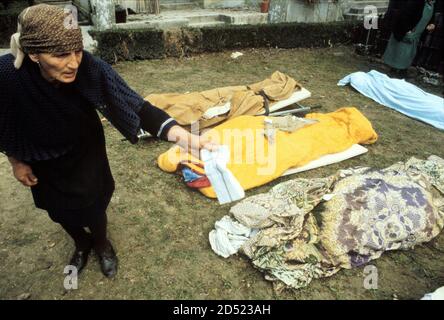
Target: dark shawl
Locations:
point(35, 116)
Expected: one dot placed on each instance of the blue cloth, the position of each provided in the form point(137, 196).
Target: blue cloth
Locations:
point(399, 95)
point(189, 175)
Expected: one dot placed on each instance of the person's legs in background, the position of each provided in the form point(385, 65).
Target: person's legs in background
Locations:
point(398, 73)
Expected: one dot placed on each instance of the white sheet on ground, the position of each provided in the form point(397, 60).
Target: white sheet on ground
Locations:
point(437, 295)
point(353, 151)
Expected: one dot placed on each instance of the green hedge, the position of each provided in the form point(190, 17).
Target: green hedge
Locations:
point(135, 44)
point(131, 44)
point(284, 35)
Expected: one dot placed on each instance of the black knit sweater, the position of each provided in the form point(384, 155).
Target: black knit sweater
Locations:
point(57, 131)
point(39, 121)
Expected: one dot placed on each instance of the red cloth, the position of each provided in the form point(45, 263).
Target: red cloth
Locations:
point(199, 183)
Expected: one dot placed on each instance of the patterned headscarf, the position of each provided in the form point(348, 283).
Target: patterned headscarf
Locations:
point(45, 29)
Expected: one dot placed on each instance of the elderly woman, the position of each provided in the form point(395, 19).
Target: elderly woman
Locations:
point(51, 132)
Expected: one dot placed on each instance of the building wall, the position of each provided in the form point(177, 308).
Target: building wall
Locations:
point(82, 4)
point(223, 3)
point(230, 3)
point(301, 11)
point(84, 9)
point(135, 5)
point(253, 3)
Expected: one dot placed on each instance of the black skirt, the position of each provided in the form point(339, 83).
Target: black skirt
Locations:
point(84, 217)
point(76, 188)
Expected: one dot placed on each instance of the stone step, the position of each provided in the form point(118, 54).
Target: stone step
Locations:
point(207, 24)
point(204, 18)
point(360, 10)
point(250, 18)
point(220, 4)
point(194, 18)
point(168, 23)
point(179, 6)
point(356, 8)
point(176, 1)
point(366, 3)
point(355, 16)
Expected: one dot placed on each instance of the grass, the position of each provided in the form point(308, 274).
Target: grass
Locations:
point(160, 228)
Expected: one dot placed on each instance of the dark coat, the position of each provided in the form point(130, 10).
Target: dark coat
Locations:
point(57, 131)
point(403, 15)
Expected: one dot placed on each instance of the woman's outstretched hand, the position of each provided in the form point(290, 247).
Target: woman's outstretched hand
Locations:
point(188, 141)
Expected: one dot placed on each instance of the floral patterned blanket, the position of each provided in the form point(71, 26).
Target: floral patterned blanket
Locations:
point(311, 228)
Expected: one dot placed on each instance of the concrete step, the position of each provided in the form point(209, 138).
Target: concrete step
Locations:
point(208, 18)
point(207, 24)
point(247, 18)
point(360, 10)
point(366, 3)
point(176, 1)
point(168, 23)
point(356, 16)
point(195, 18)
point(356, 8)
point(353, 16)
point(179, 6)
point(221, 4)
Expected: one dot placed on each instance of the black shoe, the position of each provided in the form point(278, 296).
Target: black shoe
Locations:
point(80, 258)
point(108, 261)
point(398, 73)
point(403, 74)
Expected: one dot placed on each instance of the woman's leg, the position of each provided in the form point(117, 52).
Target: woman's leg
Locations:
point(81, 238)
point(105, 251)
point(83, 244)
point(98, 233)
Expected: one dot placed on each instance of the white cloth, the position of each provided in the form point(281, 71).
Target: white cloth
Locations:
point(217, 111)
point(16, 48)
point(226, 186)
point(353, 151)
point(228, 236)
point(437, 295)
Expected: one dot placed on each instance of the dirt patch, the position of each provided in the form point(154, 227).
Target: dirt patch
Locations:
point(160, 228)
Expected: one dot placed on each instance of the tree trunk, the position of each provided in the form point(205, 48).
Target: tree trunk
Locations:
point(104, 14)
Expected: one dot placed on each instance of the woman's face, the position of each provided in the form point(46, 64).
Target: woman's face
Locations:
point(60, 67)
